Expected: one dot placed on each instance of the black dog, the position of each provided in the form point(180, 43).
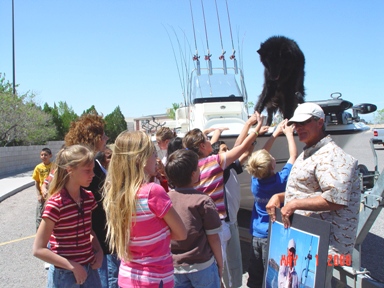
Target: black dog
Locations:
point(283, 77)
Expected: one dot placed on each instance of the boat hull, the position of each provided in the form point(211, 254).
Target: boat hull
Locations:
point(343, 137)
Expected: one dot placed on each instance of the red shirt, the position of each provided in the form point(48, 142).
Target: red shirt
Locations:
point(70, 237)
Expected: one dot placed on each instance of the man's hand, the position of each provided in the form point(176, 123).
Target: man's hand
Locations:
point(287, 211)
point(271, 207)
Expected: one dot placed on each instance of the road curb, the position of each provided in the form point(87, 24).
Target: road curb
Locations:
point(17, 190)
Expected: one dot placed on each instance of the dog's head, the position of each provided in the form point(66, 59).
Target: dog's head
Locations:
point(279, 56)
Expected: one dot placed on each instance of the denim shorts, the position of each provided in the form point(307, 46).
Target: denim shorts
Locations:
point(209, 277)
point(109, 271)
point(58, 277)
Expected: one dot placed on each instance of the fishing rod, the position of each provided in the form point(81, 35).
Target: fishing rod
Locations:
point(240, 48)
point(308, 259)
point(208, 56)
point(222, 47)
point(183, 55)
point(196, 56)
point(177, 65)
point(183, 60)
point(232, 57)
point(187, 70)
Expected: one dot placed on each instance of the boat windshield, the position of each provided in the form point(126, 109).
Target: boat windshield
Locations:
point(215, 85)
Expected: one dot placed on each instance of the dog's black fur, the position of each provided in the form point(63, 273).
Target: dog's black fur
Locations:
point(283, 77)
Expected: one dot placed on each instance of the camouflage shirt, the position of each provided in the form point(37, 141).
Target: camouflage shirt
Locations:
point(326, 170)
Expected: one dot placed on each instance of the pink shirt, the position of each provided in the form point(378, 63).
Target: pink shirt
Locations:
point(149, 243)
point(212, 182)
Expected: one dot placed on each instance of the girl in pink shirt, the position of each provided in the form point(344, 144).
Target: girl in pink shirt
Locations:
point(140, 218)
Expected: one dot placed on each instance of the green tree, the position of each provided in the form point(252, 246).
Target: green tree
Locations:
point(114, 124)
point(379, 116)
point(91, 110)
point(172, 111)
point(53, 111)
point(23, 122)
point(67, 115)
point(5, 86)
point(62, 116)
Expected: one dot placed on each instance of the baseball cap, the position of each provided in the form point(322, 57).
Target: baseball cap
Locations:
point(305, 111)
point(291, 244)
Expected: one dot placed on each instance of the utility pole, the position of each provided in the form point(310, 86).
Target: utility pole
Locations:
point(13, 47)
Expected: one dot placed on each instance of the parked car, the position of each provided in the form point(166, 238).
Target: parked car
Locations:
point(378, 136)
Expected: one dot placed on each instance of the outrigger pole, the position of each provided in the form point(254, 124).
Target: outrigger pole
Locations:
point(232, 57)
point(222, 47)
point(208, 56)
point(196, 57)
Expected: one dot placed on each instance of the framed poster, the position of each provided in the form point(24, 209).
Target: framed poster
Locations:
point(297, 256)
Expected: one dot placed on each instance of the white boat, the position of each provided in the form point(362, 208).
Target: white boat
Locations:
point(217, 97)
point(214, 100)
point(217, 100)
point(220, 100)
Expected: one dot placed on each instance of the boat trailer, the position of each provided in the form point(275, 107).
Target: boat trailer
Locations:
point(372, 187)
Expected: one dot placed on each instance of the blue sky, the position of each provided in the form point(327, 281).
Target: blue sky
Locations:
point(117, 52)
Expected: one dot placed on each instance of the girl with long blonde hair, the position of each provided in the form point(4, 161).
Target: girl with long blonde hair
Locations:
point(140, 218)
point(75, 255)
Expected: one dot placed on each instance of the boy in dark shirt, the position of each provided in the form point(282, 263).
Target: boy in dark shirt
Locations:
point(198, 259)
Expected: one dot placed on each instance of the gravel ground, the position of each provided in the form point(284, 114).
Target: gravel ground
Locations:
point(17, 265)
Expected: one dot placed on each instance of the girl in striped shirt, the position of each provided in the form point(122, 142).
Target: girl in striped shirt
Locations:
point(75, 255)
point(140, 218)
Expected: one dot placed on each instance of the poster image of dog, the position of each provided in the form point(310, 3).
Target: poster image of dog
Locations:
point(283, 87)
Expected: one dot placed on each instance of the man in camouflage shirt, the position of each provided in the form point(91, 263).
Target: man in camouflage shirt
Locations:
point(323, 183)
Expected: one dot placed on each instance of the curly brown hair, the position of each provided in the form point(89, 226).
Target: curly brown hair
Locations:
point(88, 129)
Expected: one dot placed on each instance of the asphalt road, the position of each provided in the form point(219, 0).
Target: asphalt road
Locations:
point(18, 268)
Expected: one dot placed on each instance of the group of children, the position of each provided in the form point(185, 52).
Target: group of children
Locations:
point(177, 238)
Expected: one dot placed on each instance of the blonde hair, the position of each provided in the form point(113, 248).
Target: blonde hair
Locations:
point(125, 176)
point(70, 157)
point(260, 164)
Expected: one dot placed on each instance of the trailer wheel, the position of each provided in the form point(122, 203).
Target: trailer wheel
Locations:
point(368, 177)
point(363, 169)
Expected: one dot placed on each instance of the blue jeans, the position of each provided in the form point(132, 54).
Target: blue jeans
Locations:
point(209, 277)
point(109, 271)
point(257, 262)
point(58, 277)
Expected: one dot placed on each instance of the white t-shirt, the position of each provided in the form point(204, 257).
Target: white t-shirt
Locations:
point(232, 192)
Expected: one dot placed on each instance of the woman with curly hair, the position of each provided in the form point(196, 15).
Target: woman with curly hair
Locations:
point(89, 130)
point(141, 220)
